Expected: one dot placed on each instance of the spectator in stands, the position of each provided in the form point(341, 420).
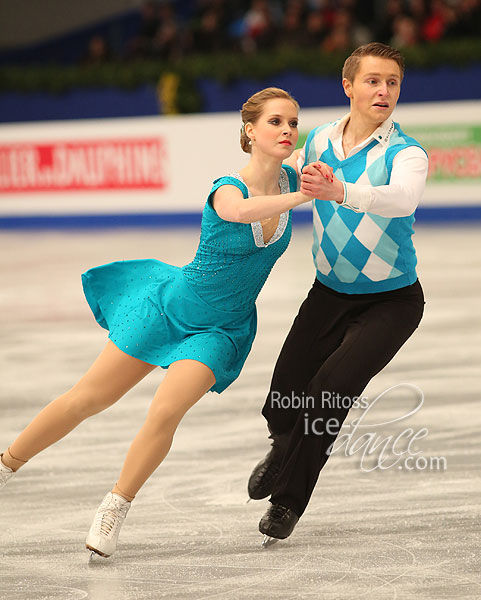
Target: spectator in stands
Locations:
point(468, 20)
point(434, 24)
point(97, 52)
point(141, 45)
point(260, 29)
point(416, 9)
point(167, 41)
point(292, 31)
point(385, 21)
point(339, 38)
point(364, 13)
point(209, 34)
point(406, 32)
point(168, 29)
point(315, 29)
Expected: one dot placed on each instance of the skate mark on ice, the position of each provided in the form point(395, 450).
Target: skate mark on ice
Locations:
point(256, 583)
point(77, 594)
point(194, 520)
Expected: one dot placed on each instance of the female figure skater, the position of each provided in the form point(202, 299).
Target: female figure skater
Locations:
point(199, 321)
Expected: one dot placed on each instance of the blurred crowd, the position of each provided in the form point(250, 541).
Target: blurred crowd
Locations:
point(170, 30)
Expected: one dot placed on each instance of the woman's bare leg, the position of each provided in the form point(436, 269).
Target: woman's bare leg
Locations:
point(185, 383)
point(112, 374)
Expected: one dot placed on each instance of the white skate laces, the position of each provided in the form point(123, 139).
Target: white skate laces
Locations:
point(104, 531)
point(5, 473)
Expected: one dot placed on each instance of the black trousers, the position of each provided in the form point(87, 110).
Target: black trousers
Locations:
point(336, 345)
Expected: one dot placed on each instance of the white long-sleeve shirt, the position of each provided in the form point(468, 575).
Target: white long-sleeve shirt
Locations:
point(408, 177)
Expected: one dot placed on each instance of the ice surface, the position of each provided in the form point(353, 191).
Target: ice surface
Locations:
point(390, 534)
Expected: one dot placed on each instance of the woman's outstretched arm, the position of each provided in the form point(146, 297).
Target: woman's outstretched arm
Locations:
point(230, 204)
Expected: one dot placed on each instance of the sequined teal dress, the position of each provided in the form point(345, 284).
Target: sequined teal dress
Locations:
point(203, 311)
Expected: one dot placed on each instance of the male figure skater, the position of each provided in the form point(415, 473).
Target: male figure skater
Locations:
point(366, 300)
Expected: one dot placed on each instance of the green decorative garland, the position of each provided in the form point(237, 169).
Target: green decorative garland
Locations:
point(175, 81)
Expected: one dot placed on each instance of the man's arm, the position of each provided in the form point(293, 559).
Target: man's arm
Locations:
point(397, 199)
point(401, 197)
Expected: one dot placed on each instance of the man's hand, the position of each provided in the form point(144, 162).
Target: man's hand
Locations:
point(318, 180)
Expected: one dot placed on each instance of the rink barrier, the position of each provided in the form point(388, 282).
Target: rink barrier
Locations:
point(444, 215)
point(157, 171)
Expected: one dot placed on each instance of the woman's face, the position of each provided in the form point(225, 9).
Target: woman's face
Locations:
point(275, 132)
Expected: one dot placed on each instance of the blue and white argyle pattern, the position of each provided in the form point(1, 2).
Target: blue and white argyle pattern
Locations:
point(360, 253)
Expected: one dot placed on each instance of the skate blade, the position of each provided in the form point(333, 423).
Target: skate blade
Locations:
point(93, 554)
point(247, 501)
point(268, 541)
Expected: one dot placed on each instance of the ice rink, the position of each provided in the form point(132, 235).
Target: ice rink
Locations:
point(380, 534)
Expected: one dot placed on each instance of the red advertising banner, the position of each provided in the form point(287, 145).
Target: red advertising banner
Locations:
point(83, 165)
point(455, 163)
point(454, 150)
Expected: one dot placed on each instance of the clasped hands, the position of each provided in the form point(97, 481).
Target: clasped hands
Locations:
point(319, 181)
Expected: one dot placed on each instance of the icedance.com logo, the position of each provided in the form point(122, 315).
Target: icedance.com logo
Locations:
point(327, 400)
point(376, 449)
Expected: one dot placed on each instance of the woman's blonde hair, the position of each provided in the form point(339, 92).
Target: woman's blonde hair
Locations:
point(253, 107)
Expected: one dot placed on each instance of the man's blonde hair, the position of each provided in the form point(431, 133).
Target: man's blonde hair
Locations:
point(351, 65)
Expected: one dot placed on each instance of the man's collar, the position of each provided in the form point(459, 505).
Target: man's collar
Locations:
point(339, 126)
point(381, 134)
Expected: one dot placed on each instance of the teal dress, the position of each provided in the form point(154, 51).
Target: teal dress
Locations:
point(203, 311)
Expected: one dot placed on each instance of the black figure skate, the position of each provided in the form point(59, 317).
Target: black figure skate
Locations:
point(263, 477)
point(277, 524)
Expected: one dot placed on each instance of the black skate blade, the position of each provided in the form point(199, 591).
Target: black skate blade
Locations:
point(268, 541)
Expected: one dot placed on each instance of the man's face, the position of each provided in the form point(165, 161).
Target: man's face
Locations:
point(375, 90)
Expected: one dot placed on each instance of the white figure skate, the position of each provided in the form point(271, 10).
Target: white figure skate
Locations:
point(104, 531)
point(5, 473)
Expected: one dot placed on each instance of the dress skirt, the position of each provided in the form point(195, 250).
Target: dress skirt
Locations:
point(152, 313)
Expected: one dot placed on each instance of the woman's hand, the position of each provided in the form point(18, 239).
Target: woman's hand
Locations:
point(319, 181)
